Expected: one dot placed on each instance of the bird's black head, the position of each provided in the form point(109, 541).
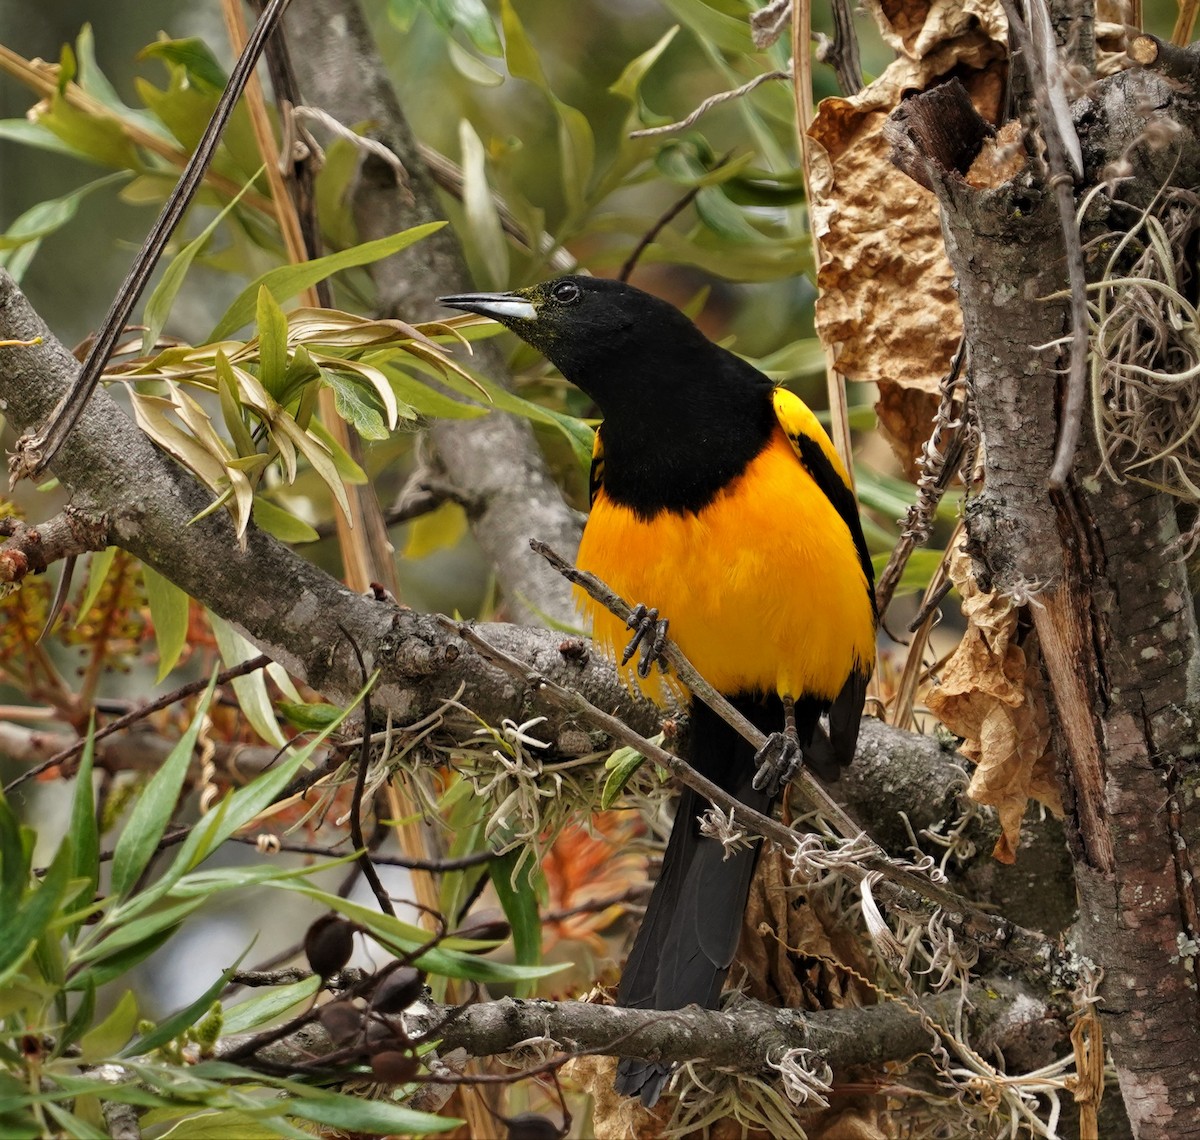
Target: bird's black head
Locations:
point(599, 333)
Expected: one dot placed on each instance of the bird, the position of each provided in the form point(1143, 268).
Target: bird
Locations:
point(719, 502)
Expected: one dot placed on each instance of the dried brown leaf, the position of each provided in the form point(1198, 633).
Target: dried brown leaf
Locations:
point(887, 308)
point(990, 693)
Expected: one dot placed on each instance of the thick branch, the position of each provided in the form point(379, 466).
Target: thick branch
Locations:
point(745, 1038)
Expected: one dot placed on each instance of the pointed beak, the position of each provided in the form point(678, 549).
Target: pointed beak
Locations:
point(502, 307)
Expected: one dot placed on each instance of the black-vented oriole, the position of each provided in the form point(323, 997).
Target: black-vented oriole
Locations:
point(718, 499)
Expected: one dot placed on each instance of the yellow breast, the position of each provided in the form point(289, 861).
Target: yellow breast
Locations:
point(763, 587)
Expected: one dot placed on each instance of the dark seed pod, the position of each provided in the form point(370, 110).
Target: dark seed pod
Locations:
point(329, 944)
point(486, 926)
point(342, 1020)
point(532, 1126)
point(394, 1067)
point(397, 990)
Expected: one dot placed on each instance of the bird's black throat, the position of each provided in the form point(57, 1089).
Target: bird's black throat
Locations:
point(679, 445)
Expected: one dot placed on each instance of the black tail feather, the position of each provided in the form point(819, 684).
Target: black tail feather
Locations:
point(689, 936)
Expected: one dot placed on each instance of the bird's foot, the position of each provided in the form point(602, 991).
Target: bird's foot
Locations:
point(778, 760)
point(650, 634)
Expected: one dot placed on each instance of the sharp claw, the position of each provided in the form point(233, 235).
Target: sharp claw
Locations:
point(650, 634)
point(778, 760)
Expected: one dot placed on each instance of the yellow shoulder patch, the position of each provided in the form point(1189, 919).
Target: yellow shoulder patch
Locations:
point(797, 420)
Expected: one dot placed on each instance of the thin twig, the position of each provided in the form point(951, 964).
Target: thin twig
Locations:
point(668, 216)
point(360, 783)
point(709, 103)
point(182, 693)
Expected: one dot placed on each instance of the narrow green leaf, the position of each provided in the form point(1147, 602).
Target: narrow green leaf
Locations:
point(401, 937)
point(354, 1114)
point(193, 55)
point(268, 1006)
point(251, 691)
point(121, 929)
point(272, 342)
point(85, 1011)
point(46, 217)
point(281, 523)
point(83, 828)
point(155, 806)
point(97, 570)
point(621, 765)
point(169, 613)
point(23, 928)
point(309, 717)
point(425, 400)
point(520, 905)
point(119, 964)
point(577, 149)
point(112, 1033)
point(158, 307)
point(231, 406)
point(70, 1126)
point(187, 1017)
point(483, 218)
point(288, 280)
point(629, 82)
point(519, 53)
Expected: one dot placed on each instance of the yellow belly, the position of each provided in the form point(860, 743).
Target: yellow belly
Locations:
point(763, 590)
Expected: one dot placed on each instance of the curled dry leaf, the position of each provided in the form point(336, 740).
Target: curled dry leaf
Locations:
point(990, 693)
point(887, 307)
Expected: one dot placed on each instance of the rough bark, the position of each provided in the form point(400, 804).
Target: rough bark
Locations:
point(1107, 595)
point(494, 462)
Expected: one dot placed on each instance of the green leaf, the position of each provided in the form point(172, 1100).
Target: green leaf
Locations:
point(354, 1114)
point(24, 926)
point(222, 1124)
point(729, 33)
point(483, 218)
point(35, 135)
point(444, 960)
point(155, 806)
point(520, 905)
point(51, 215)
point(519, 53)
point(98, 567)
point(99, 140)
point(309, 717)
point(422, 398)
point(187, 1017)
point(228, 392)
point(80, 1020)
point(107, 969)
point(288, 280)
point(112, 1033)
point(169, 613)
point(621, 766)
point(268, 1006)
point(158, 307)
point(470, 17)
point(193, 55)
point(629, 82)
point(83, 827)
point(357, 404)
point(282, 524)
point(251, 690)
point(272, 342)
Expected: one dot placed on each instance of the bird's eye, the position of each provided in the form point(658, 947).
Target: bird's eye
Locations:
point(566, 292)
